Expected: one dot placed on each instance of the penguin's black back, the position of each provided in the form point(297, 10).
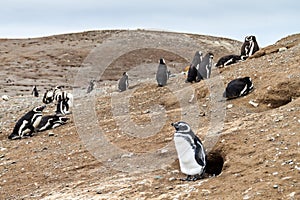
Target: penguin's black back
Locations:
point(238, 87)
point(228, 60)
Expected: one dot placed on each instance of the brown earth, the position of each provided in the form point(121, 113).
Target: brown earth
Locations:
point(254, 152)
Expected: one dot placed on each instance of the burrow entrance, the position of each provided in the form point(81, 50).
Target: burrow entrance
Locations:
point(215, 162)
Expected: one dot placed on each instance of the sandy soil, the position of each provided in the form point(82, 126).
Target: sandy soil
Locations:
point(254, 152)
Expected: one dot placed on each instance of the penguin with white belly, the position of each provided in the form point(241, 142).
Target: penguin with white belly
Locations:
point(27, 124)
point(190, 150)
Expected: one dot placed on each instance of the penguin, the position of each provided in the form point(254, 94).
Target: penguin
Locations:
point(48, 96)
point(63, 107)
point(193, 69)
point(204, 69)
point(91, 86)
point(35, 92)
point(51, 121)
point(238, 87)
point(162, 73)
point(27, 124)
point(249, 47)
point(123, 82)
point(228, 60)
point(190, 150)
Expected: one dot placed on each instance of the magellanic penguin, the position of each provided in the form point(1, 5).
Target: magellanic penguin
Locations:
point(51, 121)
point(123, 82)
point(62, 107)
point(228, 60)
point(249, 47)
point(194, 66)
point(204, 70)
point(191, 153)
point(27, 124)
point(91, 86)
point(238, 87)
point(35, 92)
point(162, 74)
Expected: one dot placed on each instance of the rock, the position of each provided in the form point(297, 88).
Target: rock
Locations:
point(172, 179)
point(253, 103)
point(50, 134)
point(281, 49)
point(292, 194)
point(98, 192)
point(5, 97)
point(229, 106)
point(275, 186)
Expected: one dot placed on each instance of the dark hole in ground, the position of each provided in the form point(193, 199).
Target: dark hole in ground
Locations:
point(215, 163)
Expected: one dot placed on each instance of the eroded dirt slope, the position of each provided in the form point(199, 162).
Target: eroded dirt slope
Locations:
point(257, 148)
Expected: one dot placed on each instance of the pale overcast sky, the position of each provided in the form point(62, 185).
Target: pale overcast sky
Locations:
point(269, 21)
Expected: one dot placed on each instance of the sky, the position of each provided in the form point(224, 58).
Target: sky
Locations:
point(269, 21)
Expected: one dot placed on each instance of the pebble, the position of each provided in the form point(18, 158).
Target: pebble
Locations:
point(281, 49)
point(5, 97)
point(50, 134)
point(172, 179)
point(229, 106)
point(253, 103)
point(292, 194)
point(275, 186)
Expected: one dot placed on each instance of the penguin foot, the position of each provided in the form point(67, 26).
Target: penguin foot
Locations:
point(192, 178)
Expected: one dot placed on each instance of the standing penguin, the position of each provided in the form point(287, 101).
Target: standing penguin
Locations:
point(193, 69)
point(35, 92)
point(27, 124)
point(51, 121)
point(162, 73)
point(91, 86)
point(123, 82)
point(204, 69)
point(191, 153)
point(249, 47)
point(238, 87)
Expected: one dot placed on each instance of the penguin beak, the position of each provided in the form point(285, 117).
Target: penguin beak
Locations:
point(175, 125)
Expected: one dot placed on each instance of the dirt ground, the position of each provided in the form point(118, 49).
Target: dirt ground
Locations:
point(120, 145)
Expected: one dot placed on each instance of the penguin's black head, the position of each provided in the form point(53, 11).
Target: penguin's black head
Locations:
point(247, 38)
point(48, 96)
point(198, 53)
point(59, 87)
point(181, 126)
point(162, 61)
point(252, 38)
point(211, 55)
point(64, 119)
point(125, 74)
point(248, 81)
point(39, 108)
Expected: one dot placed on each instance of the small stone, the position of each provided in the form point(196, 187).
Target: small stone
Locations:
point(172, 179)
point(158, 177)
point(50, 134)
point(275, 173)
point(292, 194)
point(5, 97)
point(281, 49)
point(253, 103)
point(275, 186)
point(98, 192)
point(201, 114)
point(229, 106)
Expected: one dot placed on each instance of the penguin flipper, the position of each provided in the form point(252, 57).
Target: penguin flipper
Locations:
point(199, 153)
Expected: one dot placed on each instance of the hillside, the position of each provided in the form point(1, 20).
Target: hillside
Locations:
point(119, 145)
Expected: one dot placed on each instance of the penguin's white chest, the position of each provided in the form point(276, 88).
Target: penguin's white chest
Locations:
point(186, 156)
point(36, 120)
